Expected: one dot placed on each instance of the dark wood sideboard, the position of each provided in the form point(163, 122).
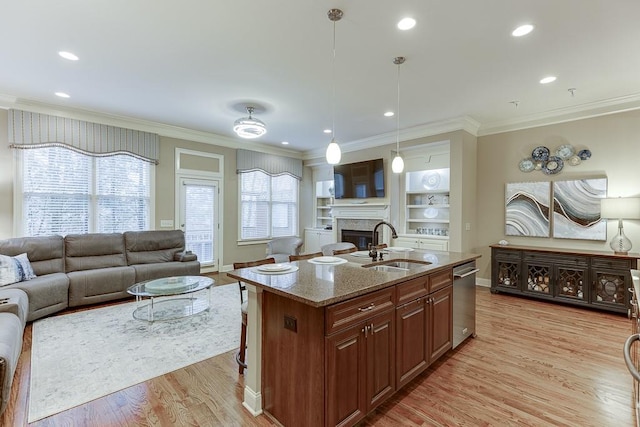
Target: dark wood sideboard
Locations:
point(592, 279)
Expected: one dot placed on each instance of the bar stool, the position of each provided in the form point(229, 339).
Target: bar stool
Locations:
point(240, 356)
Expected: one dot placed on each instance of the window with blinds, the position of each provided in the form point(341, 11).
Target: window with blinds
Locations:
point(67, 192)
point(268, 206)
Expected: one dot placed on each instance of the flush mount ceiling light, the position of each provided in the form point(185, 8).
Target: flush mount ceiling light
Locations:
point(68, 55)
point(333, 153)
point(548, 79)
point(63, 95)
point(397, 165)
point(249, 127)
point(406, 24)
point(522, 30)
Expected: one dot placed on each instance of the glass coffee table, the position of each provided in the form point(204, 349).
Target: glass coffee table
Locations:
point(171, 297)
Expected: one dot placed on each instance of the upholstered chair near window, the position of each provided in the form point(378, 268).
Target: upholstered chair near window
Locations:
point(244, 304)
point(329, 249)
point(281, 247)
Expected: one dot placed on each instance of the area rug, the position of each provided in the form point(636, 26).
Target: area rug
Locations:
point(78, 357)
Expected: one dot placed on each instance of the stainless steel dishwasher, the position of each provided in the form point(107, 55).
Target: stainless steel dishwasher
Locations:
point(464, 302)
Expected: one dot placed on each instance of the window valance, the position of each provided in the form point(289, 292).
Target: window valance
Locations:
point(34, 130)
point(247, 161)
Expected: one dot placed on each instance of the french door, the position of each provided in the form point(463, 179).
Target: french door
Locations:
point(199, 219)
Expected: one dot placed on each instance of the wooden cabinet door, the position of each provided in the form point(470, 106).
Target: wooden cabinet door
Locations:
point(505, 270)
point(440, 327)
point(412, 353)
point(380, 360)
point(345, 376)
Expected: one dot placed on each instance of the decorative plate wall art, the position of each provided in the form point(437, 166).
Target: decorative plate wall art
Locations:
point(552, 162)
point(576, 209)
point(527, 209)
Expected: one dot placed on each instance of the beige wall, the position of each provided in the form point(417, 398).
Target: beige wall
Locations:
point(614, 142)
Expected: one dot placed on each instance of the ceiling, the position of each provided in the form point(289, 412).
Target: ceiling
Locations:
point(196, 64)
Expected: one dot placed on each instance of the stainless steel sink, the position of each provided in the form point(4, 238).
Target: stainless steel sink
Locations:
point(386, 268)
point(397, 265)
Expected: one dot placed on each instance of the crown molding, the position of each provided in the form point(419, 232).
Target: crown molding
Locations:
point(563, 115)
point(465, 123)
point(170, 131)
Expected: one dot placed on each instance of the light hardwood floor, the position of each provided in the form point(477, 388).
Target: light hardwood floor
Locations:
point(532, 364)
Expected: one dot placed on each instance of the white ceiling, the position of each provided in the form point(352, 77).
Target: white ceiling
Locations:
point(193, 64)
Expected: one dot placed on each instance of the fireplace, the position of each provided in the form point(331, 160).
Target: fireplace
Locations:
point(360, 238)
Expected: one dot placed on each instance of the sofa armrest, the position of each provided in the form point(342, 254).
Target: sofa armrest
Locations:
point(185, 256)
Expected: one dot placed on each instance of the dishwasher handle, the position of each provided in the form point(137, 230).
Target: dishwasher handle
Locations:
point(460, 275)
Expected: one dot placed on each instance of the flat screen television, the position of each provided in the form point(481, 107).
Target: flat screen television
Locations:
point(359, 180)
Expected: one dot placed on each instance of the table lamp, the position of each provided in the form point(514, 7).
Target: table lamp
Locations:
point(620, 208)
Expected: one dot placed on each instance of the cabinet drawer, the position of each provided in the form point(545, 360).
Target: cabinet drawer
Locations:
point(412, 289)
point(349, 313)
point(622, 264)
point(507, 255)
point(440, 280)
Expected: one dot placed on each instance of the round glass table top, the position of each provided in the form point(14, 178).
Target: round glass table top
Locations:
point(165, 286)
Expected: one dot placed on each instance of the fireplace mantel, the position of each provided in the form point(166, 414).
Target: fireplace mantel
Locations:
point(361, 210)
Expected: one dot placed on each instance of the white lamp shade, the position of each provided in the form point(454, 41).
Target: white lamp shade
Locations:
point(397, 165)
point(333, 153)
point(620, 208)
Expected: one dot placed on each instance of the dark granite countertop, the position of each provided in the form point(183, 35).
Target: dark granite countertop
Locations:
point(322, 285)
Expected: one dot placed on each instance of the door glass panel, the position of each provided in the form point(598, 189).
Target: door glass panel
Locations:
point(200, 220)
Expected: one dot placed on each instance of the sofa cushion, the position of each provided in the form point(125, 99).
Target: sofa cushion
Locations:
point(15, 269)
point(47, 294)
point(91, 251)
point(99, 285)
point(46, 253)
point(148, 247)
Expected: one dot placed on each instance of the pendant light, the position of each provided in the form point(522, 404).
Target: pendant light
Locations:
point(397, 166)
point(333, 153)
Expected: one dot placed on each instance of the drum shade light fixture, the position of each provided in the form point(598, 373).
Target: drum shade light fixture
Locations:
point(334, 153)
point(397, 165)
point(620, 208)
point(249, 127)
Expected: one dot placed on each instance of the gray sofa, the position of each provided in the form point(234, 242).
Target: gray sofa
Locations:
point(77, 270)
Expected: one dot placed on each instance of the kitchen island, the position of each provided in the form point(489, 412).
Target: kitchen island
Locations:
point(328, 343)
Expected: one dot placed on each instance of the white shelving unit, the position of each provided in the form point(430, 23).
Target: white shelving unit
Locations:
point(426, 209)
point(324, 200)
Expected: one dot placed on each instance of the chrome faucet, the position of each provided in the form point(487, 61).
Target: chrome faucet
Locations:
point(373, 252)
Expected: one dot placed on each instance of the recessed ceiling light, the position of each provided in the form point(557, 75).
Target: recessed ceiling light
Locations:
point(389, 114)
point(406, 23)
point(62, 95)
point(522, 30)
point(327, 131)
point(68, 55)
point(285, 142)
point(548, 79)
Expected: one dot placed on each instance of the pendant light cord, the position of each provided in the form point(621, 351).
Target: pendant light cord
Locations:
point(333, 79)
point(398, 117)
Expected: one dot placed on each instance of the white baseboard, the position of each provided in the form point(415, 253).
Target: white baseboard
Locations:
point(252, 401)
point(483, 282)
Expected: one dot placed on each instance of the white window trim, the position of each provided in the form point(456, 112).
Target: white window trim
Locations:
point(246, 242)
